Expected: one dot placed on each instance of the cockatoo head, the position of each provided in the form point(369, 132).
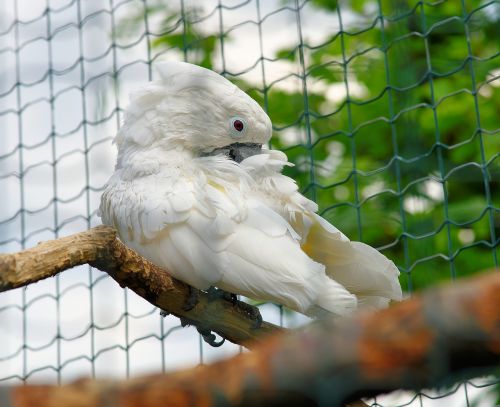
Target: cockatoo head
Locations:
point(194, 109)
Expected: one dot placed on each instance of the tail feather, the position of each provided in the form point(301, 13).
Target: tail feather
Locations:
point(332, 298)
point(361, 269)
point(374, 303)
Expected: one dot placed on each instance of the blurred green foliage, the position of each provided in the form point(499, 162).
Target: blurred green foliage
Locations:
point(406, 159)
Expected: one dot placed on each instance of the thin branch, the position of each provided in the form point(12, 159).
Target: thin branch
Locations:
point(100, 248)
point(451, 331)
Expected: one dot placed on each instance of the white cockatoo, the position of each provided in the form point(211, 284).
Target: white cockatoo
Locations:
point(194, 191)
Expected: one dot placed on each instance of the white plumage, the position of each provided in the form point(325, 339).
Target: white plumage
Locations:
point(178, 199)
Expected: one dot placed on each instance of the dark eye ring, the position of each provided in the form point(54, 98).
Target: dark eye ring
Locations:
point(238, 126)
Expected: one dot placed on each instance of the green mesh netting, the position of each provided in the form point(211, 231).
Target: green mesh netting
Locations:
point(389, 109)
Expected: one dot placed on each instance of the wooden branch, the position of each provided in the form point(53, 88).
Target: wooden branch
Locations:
point(100, 248)
point(452, 330)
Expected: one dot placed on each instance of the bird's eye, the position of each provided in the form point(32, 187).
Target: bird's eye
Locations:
point(238, 126)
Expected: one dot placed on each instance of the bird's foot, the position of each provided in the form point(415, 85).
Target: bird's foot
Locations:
point(185, 322)
point(253, 312)
point(190, 303)
point(215, 293)
point(192, 299)
point(209, 337)
point(233, 298)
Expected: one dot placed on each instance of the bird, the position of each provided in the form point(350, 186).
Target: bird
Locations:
point(196, 191)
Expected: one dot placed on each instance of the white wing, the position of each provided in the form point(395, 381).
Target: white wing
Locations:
point(159, 215)
point(267, 263)
point(361, 269)
point(214, 234)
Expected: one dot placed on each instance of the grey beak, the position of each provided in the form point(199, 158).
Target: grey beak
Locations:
point(237, 151)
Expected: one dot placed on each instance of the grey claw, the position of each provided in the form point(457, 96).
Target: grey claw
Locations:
point(192, 300)
point(184, 322)
point(257, 320)
point(253, 312)
point(215, 293)
point(209, 337)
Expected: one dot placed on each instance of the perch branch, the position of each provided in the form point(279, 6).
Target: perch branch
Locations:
point(452, 330)
point(100, 248)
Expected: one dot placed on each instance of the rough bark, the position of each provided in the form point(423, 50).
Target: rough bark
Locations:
point(100, 248)
point(447, 332)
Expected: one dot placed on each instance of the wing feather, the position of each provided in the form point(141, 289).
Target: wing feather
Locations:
point(215, 231)
point(276, 269)
point(360, 268)
point(356, 266)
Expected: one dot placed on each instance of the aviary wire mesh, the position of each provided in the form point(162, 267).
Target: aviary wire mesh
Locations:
point(389, 110)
